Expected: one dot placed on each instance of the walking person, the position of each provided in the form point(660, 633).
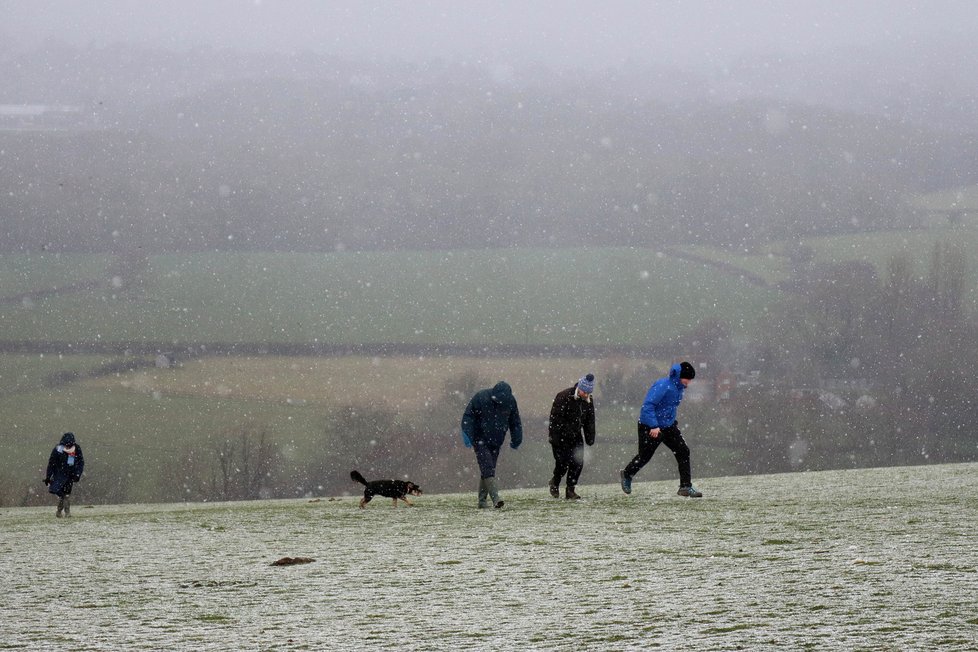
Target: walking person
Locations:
point(657, 424)
point(488, 416)
point(65, 467)
point(571, 426)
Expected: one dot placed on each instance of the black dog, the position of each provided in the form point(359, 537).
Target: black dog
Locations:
point(396, 489)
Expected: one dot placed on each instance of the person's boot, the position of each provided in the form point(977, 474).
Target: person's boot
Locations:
point(483, 493)
point(494, 493)
point(61, 506)
point(570, 494)
point(555, 487)
point(67, 506)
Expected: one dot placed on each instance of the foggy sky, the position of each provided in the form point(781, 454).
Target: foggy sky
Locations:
point(591, 34)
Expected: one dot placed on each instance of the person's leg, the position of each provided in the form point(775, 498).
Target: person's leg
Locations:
point(575, 464)
point(493, 490)
point(560, 468)
point(673, 439)
point(61, 506)
point(483, 493)
point(646, 448)
point(487, 456)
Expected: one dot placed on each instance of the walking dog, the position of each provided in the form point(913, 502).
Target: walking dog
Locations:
point(394, 489)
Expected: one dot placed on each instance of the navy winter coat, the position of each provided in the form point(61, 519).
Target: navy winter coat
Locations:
point(64, 468)
point(662, 400)
point(489, 414)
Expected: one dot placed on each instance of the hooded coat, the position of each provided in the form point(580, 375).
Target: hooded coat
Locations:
point(64, 468)
point(488, 416)
point(662, 400)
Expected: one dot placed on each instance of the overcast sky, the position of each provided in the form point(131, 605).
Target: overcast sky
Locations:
point(593, 33)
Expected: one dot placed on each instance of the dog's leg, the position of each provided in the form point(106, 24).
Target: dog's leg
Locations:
point(363, 502)
point(395, 502)
point(407, 502)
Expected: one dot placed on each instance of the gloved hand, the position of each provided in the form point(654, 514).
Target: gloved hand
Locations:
point(513, 446)
point(46, 481)
point(466, 440)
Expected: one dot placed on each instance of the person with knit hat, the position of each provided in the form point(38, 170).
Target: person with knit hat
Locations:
point(571, 426)
point(657, 424)
point(65, 467)
point(489, 414)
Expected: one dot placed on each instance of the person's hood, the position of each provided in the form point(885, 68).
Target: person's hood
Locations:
point(674, 372)
point(502, 392)
point(68, 439)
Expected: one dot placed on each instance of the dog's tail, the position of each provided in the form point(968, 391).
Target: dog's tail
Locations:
point(356, 477)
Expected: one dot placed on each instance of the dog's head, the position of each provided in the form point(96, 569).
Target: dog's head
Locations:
point(413, 489)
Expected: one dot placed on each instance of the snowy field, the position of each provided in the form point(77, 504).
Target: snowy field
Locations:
point(883, 559)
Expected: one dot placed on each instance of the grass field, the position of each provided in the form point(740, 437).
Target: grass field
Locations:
point(876, 559)
point(538, 297)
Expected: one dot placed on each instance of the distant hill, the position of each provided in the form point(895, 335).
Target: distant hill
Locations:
point(318, 154)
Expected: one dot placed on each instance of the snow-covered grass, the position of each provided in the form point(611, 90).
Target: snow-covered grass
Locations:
point(843, 560)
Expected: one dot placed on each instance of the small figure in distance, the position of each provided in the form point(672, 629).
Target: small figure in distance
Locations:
point(65, 467)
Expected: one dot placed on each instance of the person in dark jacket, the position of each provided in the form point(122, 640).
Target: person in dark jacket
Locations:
point(571, 426)
point(657, 424)
point(65, 467)
point(488, 416)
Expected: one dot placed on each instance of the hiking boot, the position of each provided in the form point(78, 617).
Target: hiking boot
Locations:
point(499, 505)
point(61, 507)
point(689, 492)
point(570, 494)
point(626, 482)
point(554, 489)
point(67, 506)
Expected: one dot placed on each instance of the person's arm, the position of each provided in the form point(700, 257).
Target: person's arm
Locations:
point(552, 425)
point(52, 462)
point(79, 463)
point(515, 427)
point(588, 423)
point(468, 424)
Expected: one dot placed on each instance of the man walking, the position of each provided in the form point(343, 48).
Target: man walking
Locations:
point(571, 426)
point(657, 424)
point(488, 416)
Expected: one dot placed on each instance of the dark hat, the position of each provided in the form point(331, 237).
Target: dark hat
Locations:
point(686, 370)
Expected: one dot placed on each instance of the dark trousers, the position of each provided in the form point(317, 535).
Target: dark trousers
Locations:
point(568, 459)
point(673, 439)
point(486, 456)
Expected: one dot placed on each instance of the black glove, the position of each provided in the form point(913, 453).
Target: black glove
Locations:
point(46, 481)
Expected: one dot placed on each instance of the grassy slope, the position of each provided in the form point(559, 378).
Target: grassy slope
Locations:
point(585, 296)
point(839, 560)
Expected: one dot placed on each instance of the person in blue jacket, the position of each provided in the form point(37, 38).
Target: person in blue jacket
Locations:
point(657, 424)
point(488, 416)
point(65, 467)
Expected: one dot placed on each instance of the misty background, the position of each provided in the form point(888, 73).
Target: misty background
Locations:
point(321, 126)
point(134, 130)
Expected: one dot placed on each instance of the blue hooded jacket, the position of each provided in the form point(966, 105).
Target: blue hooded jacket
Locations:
point(662, 400)
point(489, 414)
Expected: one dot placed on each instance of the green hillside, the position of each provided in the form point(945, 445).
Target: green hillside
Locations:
point(611, 296)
